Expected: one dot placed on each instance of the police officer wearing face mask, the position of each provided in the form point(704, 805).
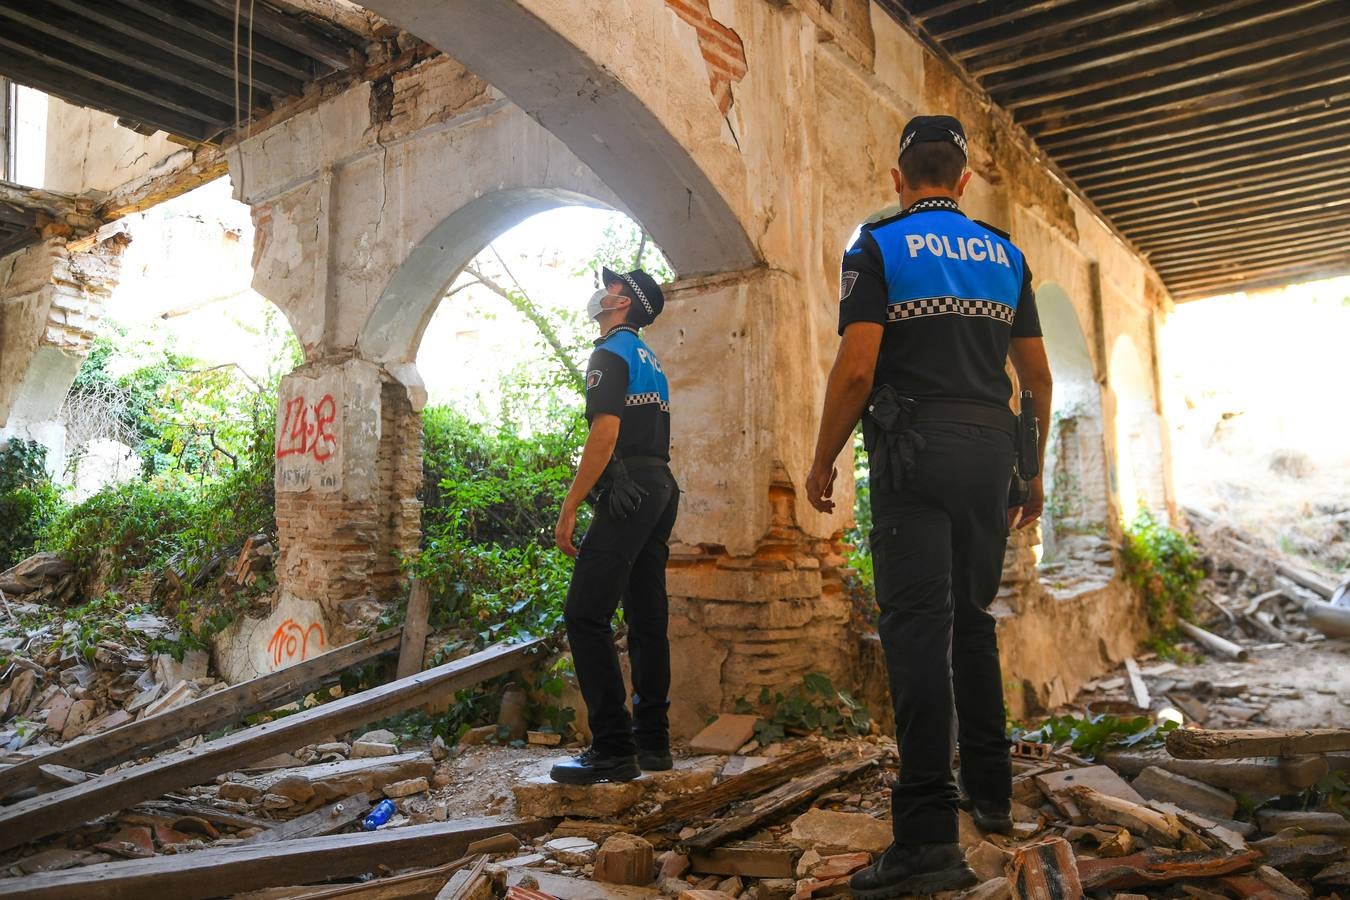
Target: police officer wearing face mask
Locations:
point(932, 305)
point(625, 470)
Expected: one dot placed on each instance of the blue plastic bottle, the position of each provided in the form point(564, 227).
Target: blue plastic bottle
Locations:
point(382, 813)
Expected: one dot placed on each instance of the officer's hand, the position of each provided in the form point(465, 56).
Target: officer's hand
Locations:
point(1030, 511)
point(562, 532)
point(820, 487)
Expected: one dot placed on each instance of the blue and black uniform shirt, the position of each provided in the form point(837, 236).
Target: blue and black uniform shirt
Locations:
point(625, 379)
point(952, 292)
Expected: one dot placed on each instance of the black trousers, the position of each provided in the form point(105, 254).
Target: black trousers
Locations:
point(937, 548)
point(625, 560)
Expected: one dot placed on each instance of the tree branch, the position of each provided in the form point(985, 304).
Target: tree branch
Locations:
point(525, 306)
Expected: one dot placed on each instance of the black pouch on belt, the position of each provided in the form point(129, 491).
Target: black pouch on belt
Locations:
point(889, 437)
point(617, 490)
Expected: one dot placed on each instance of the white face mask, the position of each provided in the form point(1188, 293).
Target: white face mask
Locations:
point(596, 305)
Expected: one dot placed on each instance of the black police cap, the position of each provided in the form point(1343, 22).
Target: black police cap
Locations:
point(642, 289)
point(933, 128)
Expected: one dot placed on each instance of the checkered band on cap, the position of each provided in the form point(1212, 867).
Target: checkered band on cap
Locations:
point(645, 398)
point(949, 306)
point(637, 292)
point(956, 139)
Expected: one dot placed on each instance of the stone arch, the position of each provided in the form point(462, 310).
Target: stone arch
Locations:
point(1075, 460)
point(1138, 433)
point(623, 129)
point(395, 326)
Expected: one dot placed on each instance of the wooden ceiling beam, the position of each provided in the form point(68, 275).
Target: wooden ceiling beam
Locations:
point(1270, 139)
point(1033, 43)
point(182, 44)
point(1272, 170)
point(101, 50)
point(1163, 127)
point(1330, 263)
point(210, 26)
point(34, 72)
point(1096, 48)
point(1253, 212)
point(1241, 234)
point(1193, 62)
point(1293, 275)
point(288, 31)
point(1210, 85)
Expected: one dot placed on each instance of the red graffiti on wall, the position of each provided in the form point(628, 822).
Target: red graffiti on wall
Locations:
point(291, 641)
point(304, 429)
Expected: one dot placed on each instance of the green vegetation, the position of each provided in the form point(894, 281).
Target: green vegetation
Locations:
point(28, 499)
point(1089, 737)
point(1164, 566)
point(812, 706)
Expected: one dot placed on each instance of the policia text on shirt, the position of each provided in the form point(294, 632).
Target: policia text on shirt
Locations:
point(932, 304)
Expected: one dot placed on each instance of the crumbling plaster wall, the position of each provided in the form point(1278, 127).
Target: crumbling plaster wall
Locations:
point(51, 299)
point(344, 195)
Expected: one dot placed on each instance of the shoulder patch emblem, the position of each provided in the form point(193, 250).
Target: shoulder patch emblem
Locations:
point(846, 282)
point(593, 378)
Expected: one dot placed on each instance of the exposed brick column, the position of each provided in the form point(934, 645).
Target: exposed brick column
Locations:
point(348, 467)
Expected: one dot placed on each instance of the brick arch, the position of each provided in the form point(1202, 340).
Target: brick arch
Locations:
point(551, 58)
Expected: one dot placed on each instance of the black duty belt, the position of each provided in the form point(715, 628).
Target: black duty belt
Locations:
point(968, 412)
point(644, 462)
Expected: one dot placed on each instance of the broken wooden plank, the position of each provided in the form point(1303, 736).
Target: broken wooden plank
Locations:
point(324, 820)
point(780, 800)
point(1045, 870)
point(750, 859)
point(1264, 777)
point(729, 790)
point(472, 883)
point(1158, 866)
point(202, 716)
point(50, 813)
point(220, 871)
point(422, 883)
point(1196, 743)
point(1103, 779)
point(412, 648)
point(1211, 641)
point(1137, 818)
point(1137, 686)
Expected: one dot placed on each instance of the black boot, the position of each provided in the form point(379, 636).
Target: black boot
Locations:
point(655, 759)
point(592, 767)
point(914, 869)
point(990, 815)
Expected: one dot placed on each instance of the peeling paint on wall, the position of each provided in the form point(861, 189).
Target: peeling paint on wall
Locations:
point(722, 49)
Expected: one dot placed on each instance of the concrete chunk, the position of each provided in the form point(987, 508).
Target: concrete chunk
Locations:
point(840, 832)
point(724, 736)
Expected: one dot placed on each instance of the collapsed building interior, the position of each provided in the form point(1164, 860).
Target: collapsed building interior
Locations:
point(1145, 156)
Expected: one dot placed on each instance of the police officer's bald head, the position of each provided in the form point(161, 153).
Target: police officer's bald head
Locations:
point(932, 152)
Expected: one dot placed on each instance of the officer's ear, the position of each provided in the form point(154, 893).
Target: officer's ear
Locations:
point(898, 179)
point(962, 182)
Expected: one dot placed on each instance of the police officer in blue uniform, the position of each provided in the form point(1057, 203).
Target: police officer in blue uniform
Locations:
point(625, 470)
point(932, 305)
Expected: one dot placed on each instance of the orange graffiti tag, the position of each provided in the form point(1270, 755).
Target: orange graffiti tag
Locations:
point(291, 641)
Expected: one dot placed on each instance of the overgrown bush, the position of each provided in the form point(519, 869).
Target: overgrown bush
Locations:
point(1164, 565)
point(491, 498)
point(812, 706)
point(28, 499)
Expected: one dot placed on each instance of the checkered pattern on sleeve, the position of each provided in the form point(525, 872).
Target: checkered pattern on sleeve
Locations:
point(946, 306)
point(645, 398)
